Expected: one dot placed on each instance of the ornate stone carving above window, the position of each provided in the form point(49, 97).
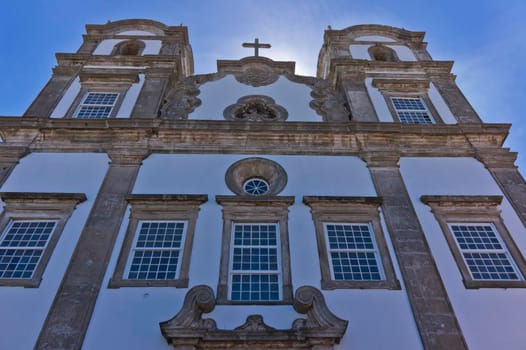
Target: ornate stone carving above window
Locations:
point(188, 330)
point(259, 75)
point(328, 103)
point(256, 108)
point(239, 173)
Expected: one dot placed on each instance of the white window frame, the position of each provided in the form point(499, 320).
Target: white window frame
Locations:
point(374, 250)
point(277, 272)
point(398, 111)
point(504, 250)
point(134, 249)
point(83, 104)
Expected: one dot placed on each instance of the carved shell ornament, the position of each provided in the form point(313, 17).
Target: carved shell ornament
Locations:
point(255, 108)
point(259, 75)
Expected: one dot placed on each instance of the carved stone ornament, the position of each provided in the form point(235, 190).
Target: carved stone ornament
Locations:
point(257, 75)
point(188, 330)
point(181, 100)
point(256, 167)
point(255, 108)
point(327, 103)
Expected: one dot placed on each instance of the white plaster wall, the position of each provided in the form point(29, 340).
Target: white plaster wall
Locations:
point(219, 94)
point(440, 105)
point(130, 99)
point(65, 102)
point(373, 38)
point(378, 101)
point(151, 47)
point(490, 318)
point(23, 310)
point(360, 52)
point(131, 315)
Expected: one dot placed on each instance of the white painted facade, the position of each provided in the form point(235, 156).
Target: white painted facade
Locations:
point(466, 176)
point(136, 327)
point(217, 95)
point(25, 309)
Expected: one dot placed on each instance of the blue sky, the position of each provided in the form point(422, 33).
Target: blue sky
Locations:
point(486, 39)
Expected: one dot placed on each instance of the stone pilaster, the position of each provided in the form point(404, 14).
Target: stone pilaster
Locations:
point(70, 314)
point(51, 94)
point(455, 99)
point(362, 109)
point(434, 316)
point(149, 100)
point(500, 163)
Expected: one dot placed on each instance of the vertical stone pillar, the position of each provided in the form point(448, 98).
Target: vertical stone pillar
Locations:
point(455, 99)
point(153, 89)
point(434, 316)
point(362, 109)
point(51, 94)
point(500, 163)
point(9, 158)
point(68, 319)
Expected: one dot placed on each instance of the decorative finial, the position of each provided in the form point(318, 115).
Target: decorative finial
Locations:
point(256, 45)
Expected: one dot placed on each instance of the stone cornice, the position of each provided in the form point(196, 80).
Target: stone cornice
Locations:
point(77, 59)
point(172, 136)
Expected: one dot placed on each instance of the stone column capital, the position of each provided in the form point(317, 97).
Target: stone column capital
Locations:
point(496, 158)
point(381, 159)
point(127, 157)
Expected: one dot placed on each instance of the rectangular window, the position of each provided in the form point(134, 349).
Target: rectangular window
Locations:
point(411, 110)
point(157, 250)
point(255, 263)
point(353, 252)
point(22, 246)
point(484, 254)
point(352, 247)
point(96, 105)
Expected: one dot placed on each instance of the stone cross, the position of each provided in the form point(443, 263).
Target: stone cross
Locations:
point(256, 45)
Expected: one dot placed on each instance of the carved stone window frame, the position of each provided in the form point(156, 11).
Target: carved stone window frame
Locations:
point(406, 88)
point(350, 210)
point(103, 81)
point(22, 206)
point(159, 207)
point(261, 210)
point(475, 209)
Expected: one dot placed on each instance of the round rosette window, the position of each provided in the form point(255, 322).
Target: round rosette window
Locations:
point(256, 177)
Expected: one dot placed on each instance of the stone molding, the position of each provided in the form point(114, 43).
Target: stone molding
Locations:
point(394, 86)
point(171, 136)
point(321, 329)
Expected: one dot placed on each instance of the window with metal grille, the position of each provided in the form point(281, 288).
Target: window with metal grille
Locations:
point(255, 263)
point(96, 105)
point(411, 110)
point(484, 254)
point(22, 246)
point(157, 250)
point(352, 251)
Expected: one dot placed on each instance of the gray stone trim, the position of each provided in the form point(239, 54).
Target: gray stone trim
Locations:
point(173, 136)
point(350, 210)
point(187, 330)
point(434, 315)
point(70, 314)
point(359, 101)
point(265, 209)
point(156, 207)
point(9, 158)
point(247, 168)
point(455, 100)
point(154, 87)
point(38, 206)
point(475, 209)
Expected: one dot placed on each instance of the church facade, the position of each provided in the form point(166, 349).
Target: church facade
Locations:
point(148, 207)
